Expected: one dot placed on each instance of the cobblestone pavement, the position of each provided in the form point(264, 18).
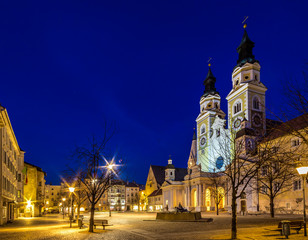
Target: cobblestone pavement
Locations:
point(140, 226)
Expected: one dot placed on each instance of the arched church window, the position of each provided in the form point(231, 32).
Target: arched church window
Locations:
point(237, 107)
point(256, 103)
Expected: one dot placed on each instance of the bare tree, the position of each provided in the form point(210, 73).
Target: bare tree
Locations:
point(217, 186)
point(92, 171)
point(278, 169)
point(240, 167)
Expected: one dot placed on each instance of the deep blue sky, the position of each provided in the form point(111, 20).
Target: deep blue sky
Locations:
point(65, 66)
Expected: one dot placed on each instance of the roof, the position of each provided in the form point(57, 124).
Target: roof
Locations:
point(180, 173)
point(285, 128)
point(245, 131)
point(37, 168)
point(209, 84)
point(245, 51)
point(156, 193)
point(131, 184)
point(159, 174)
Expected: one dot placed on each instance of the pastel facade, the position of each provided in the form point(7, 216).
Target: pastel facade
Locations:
point(52, 197)
point(34, 190)
point(12, 163)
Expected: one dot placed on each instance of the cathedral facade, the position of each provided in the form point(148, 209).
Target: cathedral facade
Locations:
point(212, 145)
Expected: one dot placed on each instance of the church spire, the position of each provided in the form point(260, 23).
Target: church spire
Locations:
point(209, 83)
point(245, 50)
point(192, 160)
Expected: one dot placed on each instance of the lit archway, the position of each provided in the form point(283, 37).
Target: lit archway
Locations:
point(194, 198)
point(208, 199)
point(221, 192)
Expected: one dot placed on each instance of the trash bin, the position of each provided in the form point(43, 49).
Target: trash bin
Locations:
point(285, 228)
point(80, 222)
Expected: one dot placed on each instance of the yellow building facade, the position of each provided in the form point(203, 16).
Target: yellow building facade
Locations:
point(12, 161)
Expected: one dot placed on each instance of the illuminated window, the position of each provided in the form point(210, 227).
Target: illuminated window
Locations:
point(297, 185)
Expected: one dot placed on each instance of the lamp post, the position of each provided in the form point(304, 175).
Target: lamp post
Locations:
point(110, 167)
point(72, 189)
point(63, 209)
point(303, 172)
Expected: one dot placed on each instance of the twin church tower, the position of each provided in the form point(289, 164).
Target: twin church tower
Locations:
point(246, 102)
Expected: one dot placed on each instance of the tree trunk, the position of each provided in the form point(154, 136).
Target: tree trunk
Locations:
point(78, 211)
point(217, 213)
point(92, 217)
point(234, 216)
point(272, 206)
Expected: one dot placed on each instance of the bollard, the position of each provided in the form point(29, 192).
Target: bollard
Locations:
point(285, 228)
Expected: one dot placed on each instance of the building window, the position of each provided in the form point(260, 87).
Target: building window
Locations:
point(297, 185)
point(256, 103)
point(237, 107)
point(295, 142)
point(203, 129)
point(19, 177)
point(170, 173)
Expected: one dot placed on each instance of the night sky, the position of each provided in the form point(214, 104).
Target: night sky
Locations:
point(68, 66)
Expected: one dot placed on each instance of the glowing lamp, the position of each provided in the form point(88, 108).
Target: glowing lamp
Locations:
point(63, 199)
point(110, 166)
point(29, 203)
point(72, 189)
point(302, 170)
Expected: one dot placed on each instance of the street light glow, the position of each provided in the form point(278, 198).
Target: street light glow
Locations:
point(302, 170)
point(72, 189)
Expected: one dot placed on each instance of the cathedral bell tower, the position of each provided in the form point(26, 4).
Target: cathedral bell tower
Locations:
point(170, 171)
point(247, 97)
point(209, 109)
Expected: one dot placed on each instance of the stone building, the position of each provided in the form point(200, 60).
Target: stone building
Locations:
point(52, 197)
point(12, 163)
point(132, 196)
point(34, 190)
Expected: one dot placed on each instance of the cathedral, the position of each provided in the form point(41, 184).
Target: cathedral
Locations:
point(211, 143)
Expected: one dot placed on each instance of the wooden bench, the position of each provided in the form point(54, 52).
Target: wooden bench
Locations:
point(103, 223)
point(254, 213)
point(295, 225)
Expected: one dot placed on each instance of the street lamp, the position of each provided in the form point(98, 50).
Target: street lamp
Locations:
point(72, 189)
point(63, 209)
point(303, 172)
point(110, 167)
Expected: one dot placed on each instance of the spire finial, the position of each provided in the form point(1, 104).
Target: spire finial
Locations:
point(245, 24)
point(209, 62)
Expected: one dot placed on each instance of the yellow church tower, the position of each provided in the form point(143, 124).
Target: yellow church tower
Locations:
point(209, 109)
point(247, 97)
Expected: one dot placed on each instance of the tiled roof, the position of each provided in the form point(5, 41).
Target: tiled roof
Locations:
point(294, 124)
point(159, 173)
point(156, 193)
point(180, 173)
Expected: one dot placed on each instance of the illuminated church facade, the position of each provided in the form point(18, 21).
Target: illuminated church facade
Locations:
point(211, 141)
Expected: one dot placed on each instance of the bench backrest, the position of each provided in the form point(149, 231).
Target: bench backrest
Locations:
point(101, 221)
point(296, 223)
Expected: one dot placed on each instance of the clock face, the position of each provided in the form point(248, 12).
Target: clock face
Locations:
point(203, 141)
point(237, 123)
point(256, 118)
